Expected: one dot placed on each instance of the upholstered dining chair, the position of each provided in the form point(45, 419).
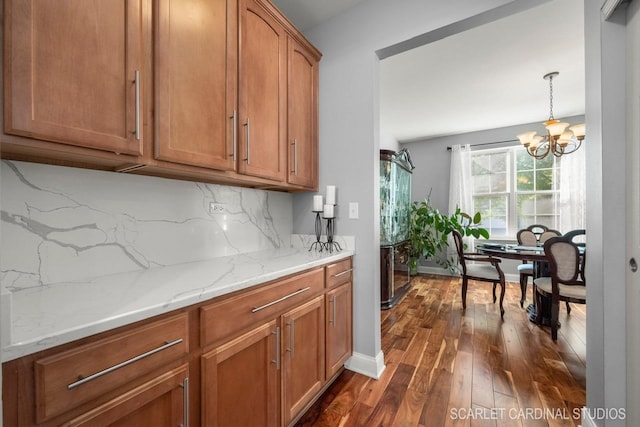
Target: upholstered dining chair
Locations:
point(576, 237)
point(566, 282)
point(573, 235)
point(481, 267)
point(547, 234)
point(531, 236)
point(526, 237)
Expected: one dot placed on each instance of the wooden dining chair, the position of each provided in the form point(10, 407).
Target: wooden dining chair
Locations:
point(531, 236)
point(526, 237)
point(481, 267)
point(566, 282)
point(576, 237)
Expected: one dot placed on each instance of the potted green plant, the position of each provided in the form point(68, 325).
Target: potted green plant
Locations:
point(429, 231)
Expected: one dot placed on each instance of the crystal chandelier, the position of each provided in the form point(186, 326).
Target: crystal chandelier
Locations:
point(557, 141)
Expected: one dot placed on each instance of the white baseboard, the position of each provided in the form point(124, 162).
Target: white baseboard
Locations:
point(587, 421)
point(366, 365)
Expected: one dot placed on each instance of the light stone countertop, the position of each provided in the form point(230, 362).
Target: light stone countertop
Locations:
point(46, 316)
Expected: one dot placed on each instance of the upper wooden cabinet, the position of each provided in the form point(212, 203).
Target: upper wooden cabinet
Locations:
point(221, 91)
point(73, 72)
point(263, 59)
point(302, 115)
point(195, 82)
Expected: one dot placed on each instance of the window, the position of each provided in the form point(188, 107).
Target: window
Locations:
point(512, 190)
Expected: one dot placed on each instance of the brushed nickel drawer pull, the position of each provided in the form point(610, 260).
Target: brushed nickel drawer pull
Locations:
point(343, 272)
point(123, 364)
point(269, 304)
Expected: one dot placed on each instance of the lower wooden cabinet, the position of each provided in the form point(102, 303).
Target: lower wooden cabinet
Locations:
point(162, 401)
point(339, 330)
point(240, 380)
point(303, 356)
point(265, 371)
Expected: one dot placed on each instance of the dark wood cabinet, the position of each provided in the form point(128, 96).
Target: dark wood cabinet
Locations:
point(395, 280)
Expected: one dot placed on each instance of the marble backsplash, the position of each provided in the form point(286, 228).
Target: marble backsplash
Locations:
point(64, 224)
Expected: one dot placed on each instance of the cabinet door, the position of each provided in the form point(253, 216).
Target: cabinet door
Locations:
point(240, 380)
point(162, 401)
point(339, 327)
point(196, 73)
point(73, 72)
point(302, 110)
point(303, 355)
point(262, 92)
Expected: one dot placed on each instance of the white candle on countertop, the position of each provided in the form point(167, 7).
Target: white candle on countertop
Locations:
point(331, 194)
point(317, 203)
point(328, 211)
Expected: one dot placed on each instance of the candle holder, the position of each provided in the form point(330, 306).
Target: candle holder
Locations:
point(318, 245)
point(330, 244)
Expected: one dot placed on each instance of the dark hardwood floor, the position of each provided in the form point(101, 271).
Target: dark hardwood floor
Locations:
point(447, 367)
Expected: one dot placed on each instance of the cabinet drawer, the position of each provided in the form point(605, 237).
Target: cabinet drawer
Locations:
point(220, 320)
point(340, 272)
point(68, 379)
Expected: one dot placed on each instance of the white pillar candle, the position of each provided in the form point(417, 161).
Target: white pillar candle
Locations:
point(331, 194)
point(328, 211)
point(317, 203)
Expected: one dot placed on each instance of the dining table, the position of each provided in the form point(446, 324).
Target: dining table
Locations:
point(539, 311)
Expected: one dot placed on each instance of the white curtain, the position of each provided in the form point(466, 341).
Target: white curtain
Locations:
point(572, 191)
point(460, 187)
point(460, 192)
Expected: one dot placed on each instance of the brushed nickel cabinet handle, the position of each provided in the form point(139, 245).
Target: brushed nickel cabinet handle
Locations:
point(343, 272)
point(277, 360)
point(123, 364)
point(248, 135)
point(332, 301)
point(292, 337)
point(295, 157)
point(136, 83)
point(234, 119)
point(269, 304)
point(185, 402)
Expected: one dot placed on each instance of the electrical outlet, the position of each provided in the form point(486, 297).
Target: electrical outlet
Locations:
point(353, 210)
point(216, 208)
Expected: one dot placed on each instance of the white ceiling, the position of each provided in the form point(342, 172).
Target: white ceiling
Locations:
point(483, 78)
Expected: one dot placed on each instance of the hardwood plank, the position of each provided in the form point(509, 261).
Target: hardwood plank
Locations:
point(443, 362)
point(386, 409)
point(372, 394)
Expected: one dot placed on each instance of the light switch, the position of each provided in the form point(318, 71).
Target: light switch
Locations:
point(353, 210)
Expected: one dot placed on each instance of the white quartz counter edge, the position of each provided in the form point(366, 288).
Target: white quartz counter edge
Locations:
point(50, 315)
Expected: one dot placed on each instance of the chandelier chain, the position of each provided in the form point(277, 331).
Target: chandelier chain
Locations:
point(551, 98)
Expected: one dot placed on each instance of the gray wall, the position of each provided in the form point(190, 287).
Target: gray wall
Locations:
point(349, 125)
point(605, 112)
point(349, 138)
